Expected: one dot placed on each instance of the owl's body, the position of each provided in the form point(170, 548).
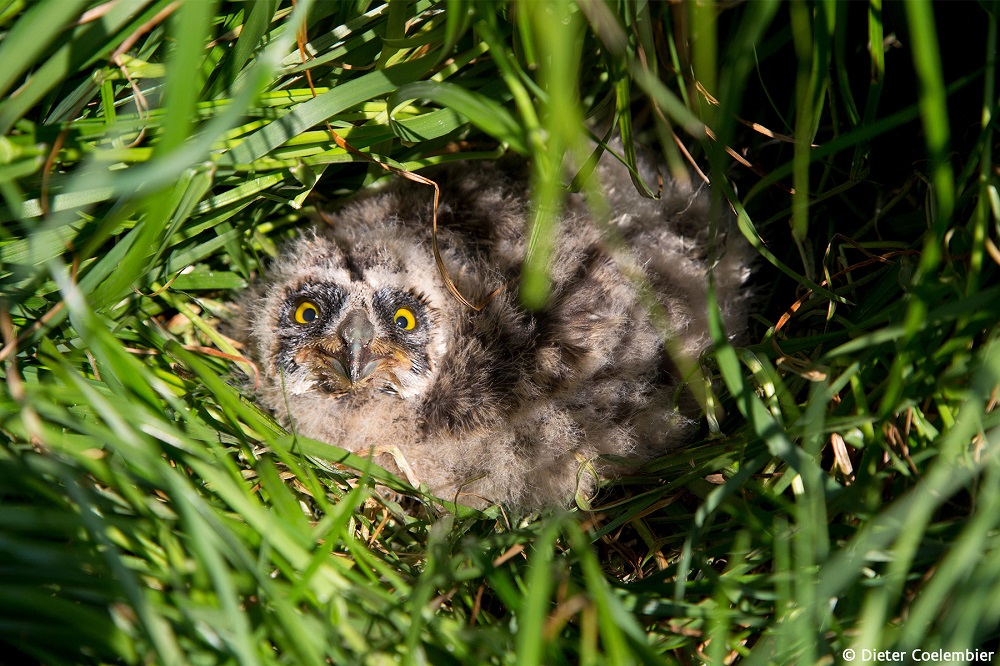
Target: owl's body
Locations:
point(361, 344)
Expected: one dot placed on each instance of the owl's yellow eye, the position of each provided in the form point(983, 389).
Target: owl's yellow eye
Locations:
point(306, 313)
point(404, 319)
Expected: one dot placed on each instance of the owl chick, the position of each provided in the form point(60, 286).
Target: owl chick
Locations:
point(361, 344)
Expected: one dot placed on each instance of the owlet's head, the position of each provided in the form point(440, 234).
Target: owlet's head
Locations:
point(348, 317)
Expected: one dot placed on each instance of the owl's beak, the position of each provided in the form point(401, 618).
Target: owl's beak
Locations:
point(357, 333)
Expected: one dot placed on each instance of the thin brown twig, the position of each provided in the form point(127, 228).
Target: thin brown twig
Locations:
point(689, 157)
point(95, 13)
point(142, 352)
point(29, 416)
point(510, 553)
point(207, 351)
point(860, 248)
point(141, 104)
point(130, 41)
point(381, 526)
point(11, 346)
point(50, 161)
point(756, 127)
point(10, 341)
point(747, 163)
point(993, 251)
point(784, 319)
point(477, 605)
point(229, 357)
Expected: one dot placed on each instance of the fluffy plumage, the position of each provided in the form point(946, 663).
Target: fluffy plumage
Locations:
point(502, 405)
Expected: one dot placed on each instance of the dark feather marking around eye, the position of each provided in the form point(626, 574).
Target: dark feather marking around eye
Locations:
point(420, 297)
point(387, 301)
point(329, 297)
point(284, 357)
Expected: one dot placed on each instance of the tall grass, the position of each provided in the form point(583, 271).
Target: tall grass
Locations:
point(155, 154)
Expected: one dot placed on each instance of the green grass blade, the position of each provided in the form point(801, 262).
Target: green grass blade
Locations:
point(32, 34)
